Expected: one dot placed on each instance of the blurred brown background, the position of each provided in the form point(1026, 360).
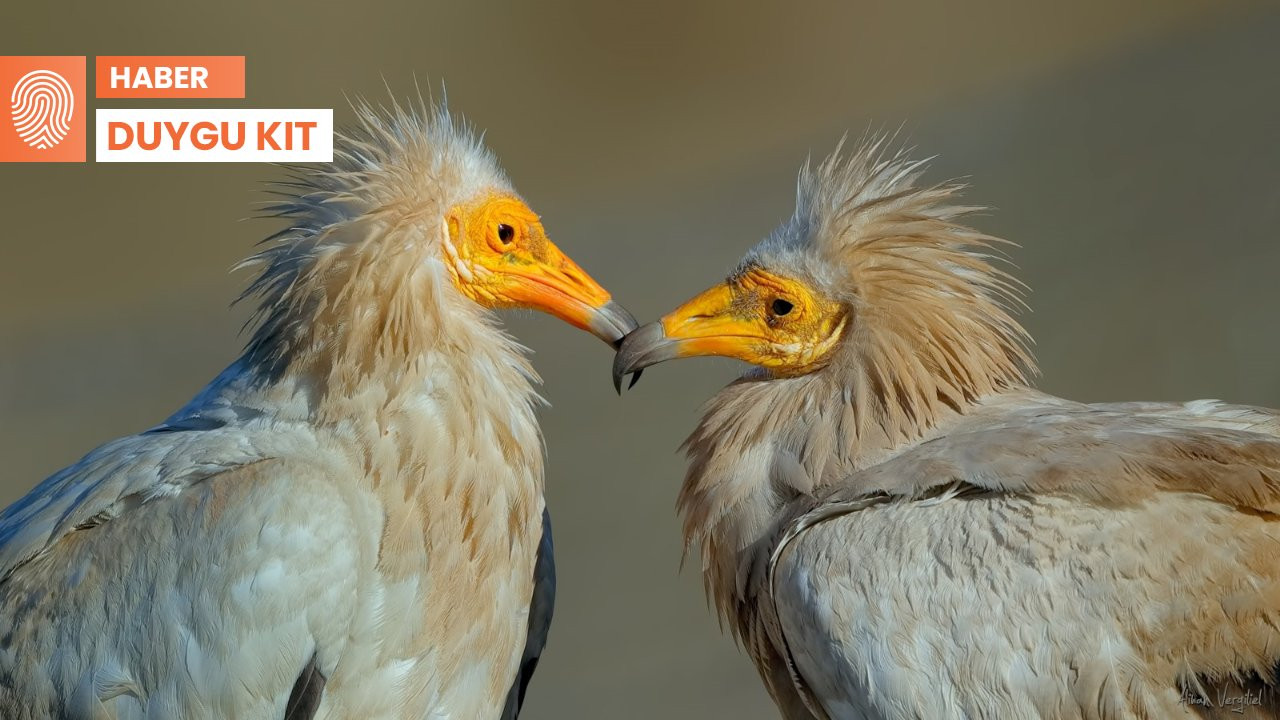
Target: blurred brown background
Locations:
point(1129, 147)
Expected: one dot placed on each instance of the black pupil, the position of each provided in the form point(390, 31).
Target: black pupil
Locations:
point(781, 307)
point(506, 233)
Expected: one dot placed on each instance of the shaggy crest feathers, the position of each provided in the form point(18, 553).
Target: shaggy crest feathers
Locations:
point(333, 502)
point(930, 333)
point(931, 323)
point(884, 533)
point(362, 227)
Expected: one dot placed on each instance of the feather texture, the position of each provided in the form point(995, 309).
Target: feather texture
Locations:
point(309, 535)
point(910, 531)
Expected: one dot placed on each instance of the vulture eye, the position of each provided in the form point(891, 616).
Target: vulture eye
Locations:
point(780, 306)
point(506, 233)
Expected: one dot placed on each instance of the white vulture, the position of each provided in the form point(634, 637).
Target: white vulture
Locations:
point(346, 522)
point(895, 524)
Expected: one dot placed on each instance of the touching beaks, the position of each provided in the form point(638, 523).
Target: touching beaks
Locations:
point(645, 346)
point(611, 323)
point(706, 325)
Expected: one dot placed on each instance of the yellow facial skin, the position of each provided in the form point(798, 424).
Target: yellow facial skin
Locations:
point(758, 316)
point(765, 319)
point(500, 257)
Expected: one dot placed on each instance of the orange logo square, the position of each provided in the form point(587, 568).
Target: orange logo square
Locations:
point(42, 108)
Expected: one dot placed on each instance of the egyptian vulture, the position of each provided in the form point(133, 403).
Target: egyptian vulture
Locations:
point(895, 524)
point(348, 522)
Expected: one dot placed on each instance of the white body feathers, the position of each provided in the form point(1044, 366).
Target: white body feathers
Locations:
point(358, 500)
point(910, 532)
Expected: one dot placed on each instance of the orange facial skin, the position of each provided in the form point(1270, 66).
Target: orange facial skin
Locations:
point(500, 257)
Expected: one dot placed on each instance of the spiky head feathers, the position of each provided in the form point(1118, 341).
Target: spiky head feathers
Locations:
point(924, 292)
point(873, 282)
point(408, 236)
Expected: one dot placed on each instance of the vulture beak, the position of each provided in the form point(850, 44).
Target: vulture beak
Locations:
point(706, 325)
point(645, 346)
point(557, 286)
point(611, 323)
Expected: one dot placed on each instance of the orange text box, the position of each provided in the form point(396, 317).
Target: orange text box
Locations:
point(170, 76)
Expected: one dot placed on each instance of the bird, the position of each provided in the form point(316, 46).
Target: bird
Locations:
point(348, 521)
point(894, 523)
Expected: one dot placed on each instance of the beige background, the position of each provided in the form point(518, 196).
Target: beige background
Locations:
point(1129, 147)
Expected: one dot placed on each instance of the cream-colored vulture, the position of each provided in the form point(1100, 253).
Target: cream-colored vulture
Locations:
point(346, 522)
point(896, 525)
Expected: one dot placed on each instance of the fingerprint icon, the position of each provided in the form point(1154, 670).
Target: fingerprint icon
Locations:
point(43, 105)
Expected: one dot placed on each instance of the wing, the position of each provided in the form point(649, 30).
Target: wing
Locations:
point(1111, 454)
point(541, 609)
point(1173, 509)
point(177, 573)
point(114, 478)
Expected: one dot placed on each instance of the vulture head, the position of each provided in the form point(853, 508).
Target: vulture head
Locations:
point(408, 239)
point(873, 283)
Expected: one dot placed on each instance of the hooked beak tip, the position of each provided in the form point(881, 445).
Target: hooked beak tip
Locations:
point(644, 346)
point(617, 380)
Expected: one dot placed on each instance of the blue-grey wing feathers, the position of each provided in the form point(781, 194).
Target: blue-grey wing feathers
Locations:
point(540, 611)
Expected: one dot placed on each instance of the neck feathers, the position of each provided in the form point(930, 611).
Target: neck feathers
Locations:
point(354, 294)
point(929, 336)
point(930, 330)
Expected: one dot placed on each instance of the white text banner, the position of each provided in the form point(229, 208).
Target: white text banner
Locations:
point(214, 135)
